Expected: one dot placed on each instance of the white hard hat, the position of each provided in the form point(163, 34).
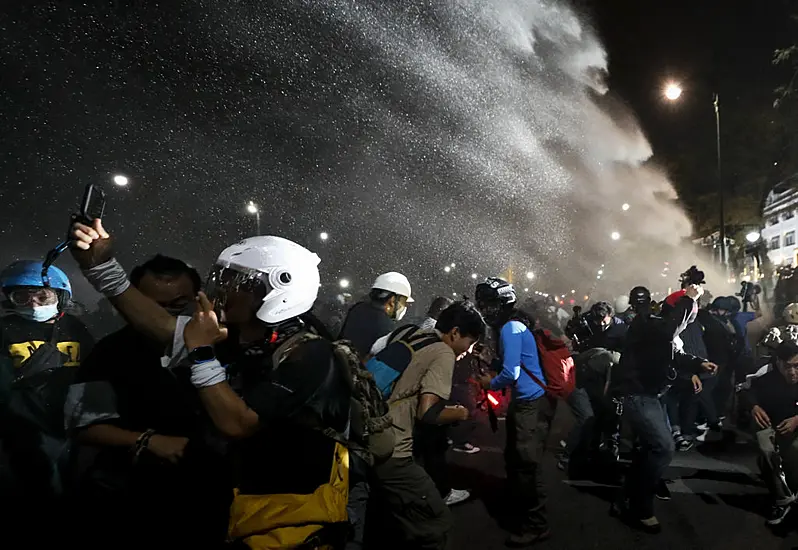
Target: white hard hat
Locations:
point(790, 314)
point(621, 304)
point(289, 271)
point(394, 282)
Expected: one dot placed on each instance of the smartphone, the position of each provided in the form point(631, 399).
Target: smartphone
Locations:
point(93, 204)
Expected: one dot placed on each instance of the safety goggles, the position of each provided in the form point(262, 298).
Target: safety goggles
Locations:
point(225, 280)
point(27, 296)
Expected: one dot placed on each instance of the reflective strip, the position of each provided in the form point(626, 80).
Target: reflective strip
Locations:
point(89, 403)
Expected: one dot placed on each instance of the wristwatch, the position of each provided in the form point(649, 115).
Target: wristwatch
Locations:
point(202, 354)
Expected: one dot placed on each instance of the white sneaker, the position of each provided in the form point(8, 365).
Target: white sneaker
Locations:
point(456, 496)
point(467, 448)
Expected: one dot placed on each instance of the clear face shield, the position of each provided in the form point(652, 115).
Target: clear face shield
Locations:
point(225, 283)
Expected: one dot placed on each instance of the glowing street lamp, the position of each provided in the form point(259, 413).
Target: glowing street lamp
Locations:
point(752, 237)
point(343, 283)
point(625, 206)
point(448, 269)
point(252, 208)
point(454, 265)
point(615, 236)
point(530, 275)
point(121, 180)
point(673, 91)
point(474, 276)
point(324, 236)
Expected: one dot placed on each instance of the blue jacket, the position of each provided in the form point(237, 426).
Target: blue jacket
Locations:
point(518, 346)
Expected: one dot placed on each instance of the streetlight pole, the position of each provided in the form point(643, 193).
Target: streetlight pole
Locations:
point(724, 257)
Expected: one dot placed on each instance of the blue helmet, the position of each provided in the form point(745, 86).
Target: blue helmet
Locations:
point(29, 273)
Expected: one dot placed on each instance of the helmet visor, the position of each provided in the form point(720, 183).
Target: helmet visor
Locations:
point(226, 280)
point(32, 296)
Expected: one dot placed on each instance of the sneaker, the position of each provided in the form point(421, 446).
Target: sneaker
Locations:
point(683, 445)
point(703, 426)
point(456, 496)
point(467, 448)
point(562, 464)
point(777, 514)
point(449, 442)
point(662, 492)
point(702, 437)
point(563, 444)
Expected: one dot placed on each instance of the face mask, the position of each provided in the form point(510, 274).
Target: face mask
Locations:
point(39, 314)
point(400, 313)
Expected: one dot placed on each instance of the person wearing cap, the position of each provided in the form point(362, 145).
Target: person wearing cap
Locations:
point(772, 400)
point(372, 319)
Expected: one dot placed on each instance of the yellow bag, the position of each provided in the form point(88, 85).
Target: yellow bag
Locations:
point(276, 522)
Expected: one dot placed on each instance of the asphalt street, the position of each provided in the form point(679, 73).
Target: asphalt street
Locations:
point(718, 500)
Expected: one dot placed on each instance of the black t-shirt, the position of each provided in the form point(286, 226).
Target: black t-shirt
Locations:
point(778, 398)
point(308, 391)
point(365, 324)
point(21, 337)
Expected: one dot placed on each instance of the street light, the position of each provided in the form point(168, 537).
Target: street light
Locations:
point(454, 265)
point(474, 276)
point(625, 206)
point(447, 269)
point(252, 208)
point(672, 92)
point(615, 235)
point(752, 237)
point(324, 236)
point(121, 180)
point(530, 275)
point(343, 283)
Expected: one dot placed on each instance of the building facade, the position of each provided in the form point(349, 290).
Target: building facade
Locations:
point(780, 223)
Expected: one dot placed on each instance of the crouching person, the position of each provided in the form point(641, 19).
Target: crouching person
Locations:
point(406, 510)
point(773, 401)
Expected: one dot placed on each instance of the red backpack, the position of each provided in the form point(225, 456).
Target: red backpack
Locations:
point(556, 363)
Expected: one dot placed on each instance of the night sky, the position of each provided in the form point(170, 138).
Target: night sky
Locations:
point(392, 129)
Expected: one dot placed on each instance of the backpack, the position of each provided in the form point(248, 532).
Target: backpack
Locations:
point(388, 365)
point(556, 363)
point(34, 437)
point(370, 434)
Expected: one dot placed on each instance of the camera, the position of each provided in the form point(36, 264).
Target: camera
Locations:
point(692, 276)
point(748, 291)
point(580, 328)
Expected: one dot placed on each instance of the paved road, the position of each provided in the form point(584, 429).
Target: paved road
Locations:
point(718, 502)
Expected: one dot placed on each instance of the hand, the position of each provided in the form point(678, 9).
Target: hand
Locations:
point(90, 245)
point(203, 329)
point(694, 291)
point(788, 426)
point(167, 447)
point(760, 417)
point(462, 410)
point(710, 367)
point(484, 381)
point(697, 386)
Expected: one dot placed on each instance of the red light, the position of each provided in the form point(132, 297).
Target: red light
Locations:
point(573, 301)
point(493, 400)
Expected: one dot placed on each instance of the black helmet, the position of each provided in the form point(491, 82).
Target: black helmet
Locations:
point(639, 296)
point(495, 291)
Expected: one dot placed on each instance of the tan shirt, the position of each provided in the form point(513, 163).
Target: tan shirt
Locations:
point(430, 372)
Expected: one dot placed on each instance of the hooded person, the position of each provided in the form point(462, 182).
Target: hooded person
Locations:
point(370, 320)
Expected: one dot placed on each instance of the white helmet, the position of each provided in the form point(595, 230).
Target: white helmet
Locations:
point(621, 304)
point(394, 282)
point(289, 273)
point(790, 314)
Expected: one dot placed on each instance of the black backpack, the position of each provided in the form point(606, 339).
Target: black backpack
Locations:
point(35, 442)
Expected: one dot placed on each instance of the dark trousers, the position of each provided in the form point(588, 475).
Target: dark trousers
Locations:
point(429, 451)
point(528, 425)
point(649, 423)
point(405, 510)
point(357, 504)
point(462, 432)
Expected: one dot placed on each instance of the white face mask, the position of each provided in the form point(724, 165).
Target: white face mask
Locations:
point(400, 313)
point(39, 314)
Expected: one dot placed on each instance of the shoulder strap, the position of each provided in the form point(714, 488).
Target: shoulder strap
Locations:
point(284, 349)
point(423, 341)
point(410, 330)
point(534, 378)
